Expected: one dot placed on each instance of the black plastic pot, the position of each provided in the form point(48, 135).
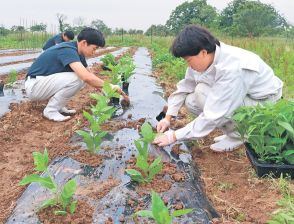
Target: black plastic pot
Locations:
point(263, 169)
point(125, 87)
point(105, 68)
point(1, 89)
point(114, 101)
point(160, 116)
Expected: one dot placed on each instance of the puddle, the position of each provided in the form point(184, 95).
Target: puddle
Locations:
point(24, 66)
point(11, 59)
point(12, 95)
point(117, 149)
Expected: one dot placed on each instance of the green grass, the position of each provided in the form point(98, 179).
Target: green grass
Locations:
point(277, 52)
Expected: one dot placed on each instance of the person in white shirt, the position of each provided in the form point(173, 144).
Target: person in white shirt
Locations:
point(220, 78)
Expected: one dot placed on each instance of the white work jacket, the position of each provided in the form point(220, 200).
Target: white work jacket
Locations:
point(234, 74)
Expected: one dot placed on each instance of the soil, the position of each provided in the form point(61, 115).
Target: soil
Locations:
point(23, 130)
point(83, 214)
point(88, 158)
point(16, 53)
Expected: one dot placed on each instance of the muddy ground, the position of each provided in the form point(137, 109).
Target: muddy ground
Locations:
point(230, 183)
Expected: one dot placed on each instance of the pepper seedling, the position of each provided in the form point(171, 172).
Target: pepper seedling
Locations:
point(63, 197)
point(159, 211)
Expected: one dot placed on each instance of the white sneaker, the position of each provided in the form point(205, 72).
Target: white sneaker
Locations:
point(55, 116)
point(67, 111)
point(219, 138)
point(227, 144)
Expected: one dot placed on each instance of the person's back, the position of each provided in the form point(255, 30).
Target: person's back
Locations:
point(53, 60)
point(59, 38)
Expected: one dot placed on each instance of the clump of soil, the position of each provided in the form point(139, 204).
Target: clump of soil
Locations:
point(115, 125)
point(88, 158)
point(83, 214)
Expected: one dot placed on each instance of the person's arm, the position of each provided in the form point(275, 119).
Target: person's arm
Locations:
point(227, 94)
point(85, 75)
point(177, 98)
point(92, 79)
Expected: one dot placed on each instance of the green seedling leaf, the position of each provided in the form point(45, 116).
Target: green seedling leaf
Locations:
point(159, 210)
point(41, 160)
point(135, 175)
point(143, 151)
point(181, 212)
point(147, 132)
point(43, 181)
point(49, 203)
point(154, 168)
point(73, 206)
point(145, 213)
point(142, 163)
point(68, 191)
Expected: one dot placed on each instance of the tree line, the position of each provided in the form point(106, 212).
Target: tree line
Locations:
point(240, 18)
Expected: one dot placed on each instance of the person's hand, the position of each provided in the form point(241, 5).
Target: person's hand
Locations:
point(125, 101)
point(116, 88)
point(166, 138)
point(163, 125)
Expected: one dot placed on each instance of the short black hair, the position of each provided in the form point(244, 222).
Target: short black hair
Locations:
point(92, 36)
point(69, 34)
point(191, 40)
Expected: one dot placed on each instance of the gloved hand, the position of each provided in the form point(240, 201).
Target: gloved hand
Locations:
point(166, 138)
point(162, 125)
point(116, 88)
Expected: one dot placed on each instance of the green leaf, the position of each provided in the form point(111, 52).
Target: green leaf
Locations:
point(147, 132)
point(41, 160)
point(43, 181)
point(69, 189)
point(159, 210)
point(145, 213)
point(143, 151)
point(73, 206)
point(135, 175)
point(49, 203)
point(154, 168)
point(181, 212)
point(287, 126)
point(142, 163)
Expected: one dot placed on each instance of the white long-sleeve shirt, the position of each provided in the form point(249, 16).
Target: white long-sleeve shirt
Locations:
point(234, 74)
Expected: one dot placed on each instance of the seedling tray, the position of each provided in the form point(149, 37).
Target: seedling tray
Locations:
point(265, 169)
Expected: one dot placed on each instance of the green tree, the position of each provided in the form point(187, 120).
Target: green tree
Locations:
point(157, 30)
point(197, 11)
point(254, 18)
point(226, 16)
point(38, 27)
point(4, 31)
point(100, 25)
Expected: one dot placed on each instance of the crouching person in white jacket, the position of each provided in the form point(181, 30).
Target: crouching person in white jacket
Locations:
point(220, 78)
point(61, 71)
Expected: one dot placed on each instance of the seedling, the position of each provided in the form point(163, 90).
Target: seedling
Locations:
point(127, 66)
point(12, 76)
point(92, 138)
point(63, 197)
point(159, 211)
point(269, 130)
point(108, 59)
point(101, 112)
point(148, 171)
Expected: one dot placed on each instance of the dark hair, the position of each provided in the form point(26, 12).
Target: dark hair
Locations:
point(92, 36)
point(191, 40)
point(69, 34)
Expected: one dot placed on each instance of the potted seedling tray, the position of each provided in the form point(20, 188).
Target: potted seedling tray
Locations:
point(265, 169)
